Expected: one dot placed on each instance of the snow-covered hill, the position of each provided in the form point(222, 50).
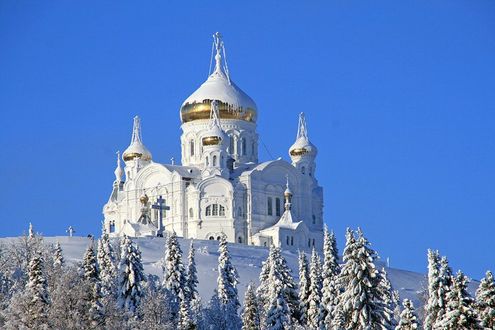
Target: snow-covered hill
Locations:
point(247, 260)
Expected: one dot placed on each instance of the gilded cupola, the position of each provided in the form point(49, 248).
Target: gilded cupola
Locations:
point(214, 135)
point(233, 103)
point(302, 147)
point(136, 149)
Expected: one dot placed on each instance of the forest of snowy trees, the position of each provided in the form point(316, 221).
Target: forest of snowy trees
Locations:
point(109, 290)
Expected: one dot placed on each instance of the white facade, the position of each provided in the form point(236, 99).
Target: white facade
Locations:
point(220, 188)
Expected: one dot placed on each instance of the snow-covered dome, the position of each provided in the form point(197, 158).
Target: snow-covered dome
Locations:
point(136, 149)
point(233, 103)
point(302, 146)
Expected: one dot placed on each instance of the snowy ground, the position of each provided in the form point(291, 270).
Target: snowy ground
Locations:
point(247, 260)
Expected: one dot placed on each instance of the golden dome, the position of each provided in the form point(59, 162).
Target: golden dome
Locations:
point(211, 140)
point(202, 110)
point(144, 199)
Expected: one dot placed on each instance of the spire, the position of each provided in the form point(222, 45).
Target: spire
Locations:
point(220, 49)
point(302, 131)
point(287, 194)
point(118, 170)
point(136, 131)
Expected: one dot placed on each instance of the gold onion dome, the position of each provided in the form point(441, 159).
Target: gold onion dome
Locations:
point(214, 135)
point(136, 149)
point(302, 146)
point(233, 103)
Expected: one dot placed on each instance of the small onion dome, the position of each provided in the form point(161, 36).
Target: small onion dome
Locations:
point(233, 103)
point(118, 170)
point(302, 147)
point(136, 149)
point(287, 192)
point(144, 199)
point(214, 136)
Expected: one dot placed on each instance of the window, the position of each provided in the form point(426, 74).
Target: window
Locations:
point(314, 219)
point(253, 148)
point(214, 160)
point(309, 242)
point(211, 238)
point(243, 146)
point(287, 240)
point(191, 147)
point(112, 227)
point(303, 170)
point(215, 210)
point(231, 145)
point(313, 242)
point(270, 206)
point(219, 238)
point(277, 207)
point(292, 240)
point(207, 161)
point(191, 213)
point(239, 239)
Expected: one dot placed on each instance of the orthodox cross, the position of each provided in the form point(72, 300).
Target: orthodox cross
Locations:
point(160, 206)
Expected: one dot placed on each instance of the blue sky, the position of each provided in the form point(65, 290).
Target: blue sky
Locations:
point(398, 95)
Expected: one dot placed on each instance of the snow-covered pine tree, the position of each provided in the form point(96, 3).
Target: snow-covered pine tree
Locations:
point(227, 285)
point(304, 283)
point(185, 321)
point(360, 304)
point(460, 312)
point(386, 292)
point(263, 290)
point(315, 312)
point(131, 276)
point(89, 265)
point(396, 307)
point(278, 314)
point(107, 264)
point(432, 307)
point(330, 270)
point(445, 285)
point(58, 256)
point(174, 276)
point(192, 275)
point(250, 313)
point(485, 301)
point(408, 319)
point(37, 287)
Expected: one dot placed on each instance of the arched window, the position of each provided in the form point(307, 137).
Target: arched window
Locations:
point(292, 240)
point(239, 239)
point(243, 146)
point(303, 170)
point(215, 210)
point(231, 145)
point(219, 238)
point(191, 147)
point(208, 210)
point(313, 242)
point(112, 226)
point(214, 160)
point(277, 207)
point(207, 161)
point(287, 240)
point(221, 211)
point(270, 206)
point(309, 242)
point(211, 238)
point(191, 213)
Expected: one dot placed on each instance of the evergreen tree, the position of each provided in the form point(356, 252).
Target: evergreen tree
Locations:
point(485, 301)
point(89, 265)
point(444, 286)
point(192, 275)
point(250, 313)
point(408, 318)
point(58, 256)
point(185, 321)
point(387, 294)
point(131, 276)
point(315, 313)
point(433, 307)
point(278, 314)
point(263, 290)
point(37, 287)
point(227, 285)
point(107, 265)
point(460, 312)
point(304, 283)
point(174, 277)
point(361, 305)
point(330, 271)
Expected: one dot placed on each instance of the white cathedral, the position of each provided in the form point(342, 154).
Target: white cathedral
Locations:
point(220, 188)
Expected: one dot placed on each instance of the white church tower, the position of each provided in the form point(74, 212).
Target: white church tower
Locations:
point(220, 187)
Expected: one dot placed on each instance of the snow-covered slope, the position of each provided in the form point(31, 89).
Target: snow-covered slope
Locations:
point(247, 260)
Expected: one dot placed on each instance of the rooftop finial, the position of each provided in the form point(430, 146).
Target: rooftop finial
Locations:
point(287, 194)
point(301, 128)
point(136, 130)
point(118, 170)
point(220, 50)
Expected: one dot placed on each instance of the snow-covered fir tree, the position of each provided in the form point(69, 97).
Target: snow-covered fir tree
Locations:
point(278, 314)
point(89, 265)
point(361, 305)
point(330, 271)
point(107, 264)
point(250, 312)
point(315, 315)
point(37, 287)
point(485, 301)
point(213, 317)
point(432, 307)
point(131, 276)
point(304, 284)
point(227, 285)
point(192, 275)
point(444, 286)
point(58, 256)
point(408, 319)
point(174, 277)
point(154, 310)
point(387, 293)
point(460, 312)
point(185, 321)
